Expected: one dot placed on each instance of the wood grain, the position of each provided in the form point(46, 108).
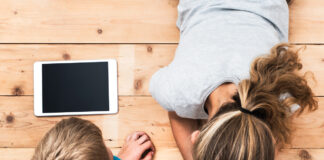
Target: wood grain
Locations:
point(173, 153)
point(136, 113)
point(17, 120)
point(92, 21)
point(123, 21)
point(136, 64)
point(309, 129)
point(302, 154)
point(306, 21)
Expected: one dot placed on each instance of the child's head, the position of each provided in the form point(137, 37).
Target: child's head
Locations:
point(73, 139)
point(258, 122)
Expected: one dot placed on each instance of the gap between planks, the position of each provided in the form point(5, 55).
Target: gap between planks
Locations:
point(17, 120)
point(136, 64)
point(124, 21)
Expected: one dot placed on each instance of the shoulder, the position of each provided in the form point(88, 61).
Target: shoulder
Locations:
point(161, 89)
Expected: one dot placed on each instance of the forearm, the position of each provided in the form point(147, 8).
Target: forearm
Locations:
point(182, 129)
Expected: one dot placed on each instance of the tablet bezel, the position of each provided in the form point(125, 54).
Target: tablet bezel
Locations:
point(112, 87)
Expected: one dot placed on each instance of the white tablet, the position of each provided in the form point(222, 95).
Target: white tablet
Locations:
point(75, 87)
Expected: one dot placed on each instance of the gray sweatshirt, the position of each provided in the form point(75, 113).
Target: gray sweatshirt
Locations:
point(219, 39)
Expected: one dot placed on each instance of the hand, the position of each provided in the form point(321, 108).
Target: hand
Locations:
point(135, 145)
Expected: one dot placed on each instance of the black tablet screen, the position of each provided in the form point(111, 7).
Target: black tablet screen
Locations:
point(75, 87)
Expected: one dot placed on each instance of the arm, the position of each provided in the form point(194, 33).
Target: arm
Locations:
point(182, 129)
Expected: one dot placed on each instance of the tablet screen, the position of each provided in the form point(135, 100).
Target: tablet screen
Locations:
point(75, 87)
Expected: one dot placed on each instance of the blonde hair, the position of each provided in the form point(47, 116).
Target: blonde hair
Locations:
point(72, 139)
point(251, 127)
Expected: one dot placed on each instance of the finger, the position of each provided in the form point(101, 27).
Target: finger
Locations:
point(152, 145)
point(128, 138)
point(147, 145)
point(143, 139)
point(136, 135)
point(149, 156)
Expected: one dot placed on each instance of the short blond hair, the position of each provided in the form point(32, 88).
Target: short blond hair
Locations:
point(72, 139)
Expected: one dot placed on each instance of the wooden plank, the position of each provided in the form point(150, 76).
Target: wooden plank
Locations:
point(92, 21)
point(306, 21)
point(123, 21)
point(136, 113)
point(17, 120)
point(309, 129)
point(172, 153)
point(27, 153)
point(136, 64)
point(302, 154)
point(16, 153)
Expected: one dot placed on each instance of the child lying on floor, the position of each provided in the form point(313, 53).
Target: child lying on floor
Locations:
point(224, 71)
point(78, 139)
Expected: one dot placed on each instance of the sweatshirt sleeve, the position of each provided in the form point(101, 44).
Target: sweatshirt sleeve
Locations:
point(160, 89)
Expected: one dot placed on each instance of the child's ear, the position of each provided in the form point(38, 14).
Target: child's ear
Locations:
point(194, 136)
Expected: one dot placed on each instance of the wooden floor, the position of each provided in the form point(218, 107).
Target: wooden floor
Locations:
point(142, 36)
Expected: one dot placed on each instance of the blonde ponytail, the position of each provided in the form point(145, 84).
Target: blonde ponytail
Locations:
point(258, 116)
point(270, 76)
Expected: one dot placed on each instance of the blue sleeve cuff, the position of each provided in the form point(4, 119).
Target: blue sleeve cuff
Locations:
point(116, 158)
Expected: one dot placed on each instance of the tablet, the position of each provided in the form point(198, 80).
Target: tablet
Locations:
point(75, 87)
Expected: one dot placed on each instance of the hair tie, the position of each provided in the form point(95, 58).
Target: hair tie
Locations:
point(245, 110)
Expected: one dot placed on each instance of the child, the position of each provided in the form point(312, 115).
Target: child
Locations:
point(78, 139)
point(221, 73)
